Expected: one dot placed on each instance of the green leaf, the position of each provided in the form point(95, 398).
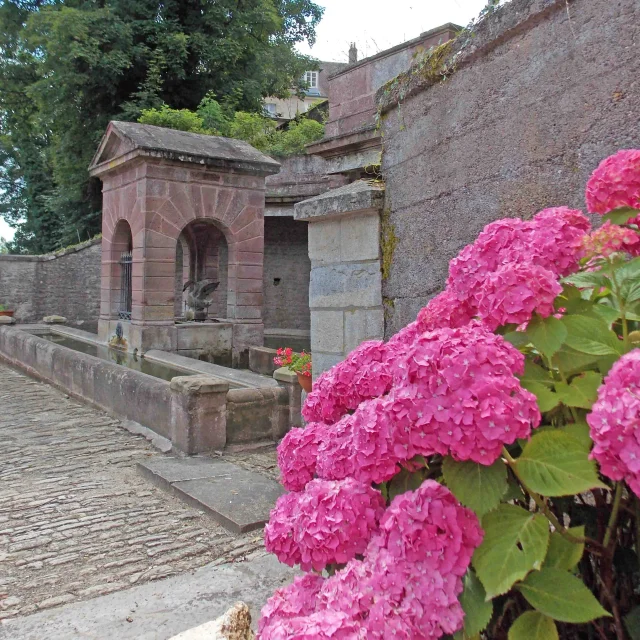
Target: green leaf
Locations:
point(533, 625)
point(560, 596)
point(477, 610)
point(587, 279)
point(582, 392)
point(518, 339)
point(571, 361)
point(628, 280)
point(555, 464)
point(546, 398)
point(621, 215)
point(405, 481)
point(546, 334)
point(591, 336)
point(562, 553)
point(515, 542)
point(476, 486)
point(535, 373)
point(581, 432)
point(632, 623)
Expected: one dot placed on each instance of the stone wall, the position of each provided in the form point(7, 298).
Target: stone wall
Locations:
point(286, 274)
point(541, 93)
point(66, 283)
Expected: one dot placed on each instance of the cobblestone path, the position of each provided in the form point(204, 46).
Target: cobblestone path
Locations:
point(76, 519)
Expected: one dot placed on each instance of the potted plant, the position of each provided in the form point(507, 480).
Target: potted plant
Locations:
point(4, 311)
point(299, 363)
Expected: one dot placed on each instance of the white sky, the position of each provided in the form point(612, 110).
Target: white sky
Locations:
point(375, 25)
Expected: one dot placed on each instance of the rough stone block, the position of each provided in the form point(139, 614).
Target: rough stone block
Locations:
point(346, 285)
point(327, 332)
point(324, 241)
point(261, 360)
point(360, 236)
point(324, 361)
point(7, 320)
point(198, 413)
point(361, 325)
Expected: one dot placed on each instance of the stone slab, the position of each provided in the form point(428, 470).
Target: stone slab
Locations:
point(238, 499)
point(158, 610)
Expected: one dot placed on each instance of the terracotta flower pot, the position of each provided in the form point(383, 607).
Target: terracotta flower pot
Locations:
point(7, 313)
point(305, 382)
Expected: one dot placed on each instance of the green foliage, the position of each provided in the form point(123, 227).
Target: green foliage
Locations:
point(69, 67)
point(554, 463)
point(477, 610)
point(181, 119)
point(561, 596)
point(532, 625)
point(515, 542)
point(475, 485)
point(258, 130)
point(564, 553)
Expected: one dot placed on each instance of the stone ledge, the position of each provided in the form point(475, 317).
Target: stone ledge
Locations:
point(355, 197)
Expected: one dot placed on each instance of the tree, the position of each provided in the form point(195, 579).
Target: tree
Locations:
point(71, 66)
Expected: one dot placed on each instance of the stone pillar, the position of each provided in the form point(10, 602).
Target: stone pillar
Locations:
point(289, 381)
point(199, 413)
point(345, 292)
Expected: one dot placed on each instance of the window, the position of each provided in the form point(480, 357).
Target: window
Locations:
point(311, 78)
point(270, 108)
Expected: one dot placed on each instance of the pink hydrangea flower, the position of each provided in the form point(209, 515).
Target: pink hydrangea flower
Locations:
point(458, 395)
point(325, 625)
point(361, 375)
point(335, 521)
point(295, 600)
point(408, 584)
point(445, 310)
point(500, 242)
point(615, 183)
point(335, 453)
point(513, 293)
point(609, 239)
point(555, 235)
point(615, 422)
point(297, 455)
point(278, 533)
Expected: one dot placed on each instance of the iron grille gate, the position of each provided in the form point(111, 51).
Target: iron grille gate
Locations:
point(124, 312)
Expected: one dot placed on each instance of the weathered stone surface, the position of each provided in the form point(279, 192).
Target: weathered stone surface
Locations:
point(327, 333)
point(235, 624)
point(541, 94)
point(238, 499)
point(261, 360)
point(164, 607)
point(361, 325)
point(7, 320)
point(199, 385)
point(357, 196)
point(346, 285)
point(67, 281)
point(54, 319)
point(257, 414)
point(77, 521)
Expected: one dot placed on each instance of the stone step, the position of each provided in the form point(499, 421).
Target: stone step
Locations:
point(240, 500)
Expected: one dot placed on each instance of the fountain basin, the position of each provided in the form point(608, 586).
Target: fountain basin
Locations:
point(196, 418)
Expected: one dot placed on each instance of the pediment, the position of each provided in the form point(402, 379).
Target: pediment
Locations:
point(113, 145)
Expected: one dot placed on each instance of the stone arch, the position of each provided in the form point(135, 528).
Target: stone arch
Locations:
point(115, 245)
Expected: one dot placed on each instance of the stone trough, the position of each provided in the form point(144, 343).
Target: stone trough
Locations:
point(208, 408)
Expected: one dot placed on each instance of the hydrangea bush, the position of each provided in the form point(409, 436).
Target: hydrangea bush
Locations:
point(477, 476)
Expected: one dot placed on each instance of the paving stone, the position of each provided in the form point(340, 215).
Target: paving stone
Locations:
point(239, 499)
point(74, 512)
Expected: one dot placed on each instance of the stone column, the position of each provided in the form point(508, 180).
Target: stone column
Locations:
point(289, 381)
point(199, 413)
point(345, 292)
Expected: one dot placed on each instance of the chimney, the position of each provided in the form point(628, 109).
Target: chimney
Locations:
point(353, 53)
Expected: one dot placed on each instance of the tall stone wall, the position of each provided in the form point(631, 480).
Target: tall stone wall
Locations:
point(66, 283)
point(541, 93)
point(286, 274)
